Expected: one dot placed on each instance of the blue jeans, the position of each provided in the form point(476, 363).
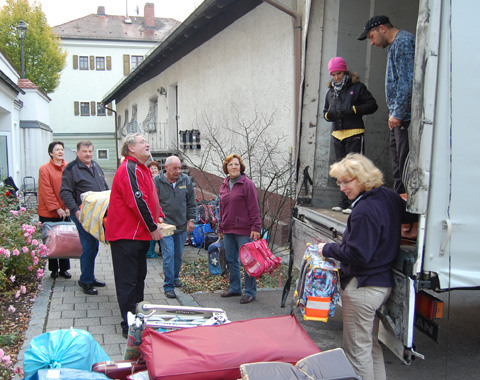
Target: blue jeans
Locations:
point(89, 252)
point(172, 251)
point(232, 243)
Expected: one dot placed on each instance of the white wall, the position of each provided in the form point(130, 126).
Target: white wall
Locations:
point(34, 141)
point(247, 67)
point(10, 119)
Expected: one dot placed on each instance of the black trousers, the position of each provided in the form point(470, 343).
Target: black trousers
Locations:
point(54, 265)
point(129, 259)
point(399, 149)
point(353, 144)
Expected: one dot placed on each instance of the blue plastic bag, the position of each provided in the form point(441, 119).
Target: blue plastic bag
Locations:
point(66, 374)
point(74, 348)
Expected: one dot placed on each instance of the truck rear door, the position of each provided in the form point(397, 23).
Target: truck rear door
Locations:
point(443, 169)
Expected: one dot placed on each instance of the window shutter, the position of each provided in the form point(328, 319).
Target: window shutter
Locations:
point(92, 108)
point(92, 62)
point(126, 64)
point(109, 63)
point(75, 62)
point(109, 109)
point(76, 108)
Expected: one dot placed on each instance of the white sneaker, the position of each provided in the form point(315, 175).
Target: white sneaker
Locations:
point(347, 211)
point(336, 208)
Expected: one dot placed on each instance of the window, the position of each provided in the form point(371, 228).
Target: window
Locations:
point(102, 154)
point(135, 61)
point(84, 109)
point(101, 111)
point(83, 63)
point(100, 63)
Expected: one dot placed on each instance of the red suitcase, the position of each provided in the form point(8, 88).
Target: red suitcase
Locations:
point(216, 352)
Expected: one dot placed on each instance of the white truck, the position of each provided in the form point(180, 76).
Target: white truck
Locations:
point(444, 163)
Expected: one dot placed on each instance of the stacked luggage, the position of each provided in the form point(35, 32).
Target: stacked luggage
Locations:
point(206, 224)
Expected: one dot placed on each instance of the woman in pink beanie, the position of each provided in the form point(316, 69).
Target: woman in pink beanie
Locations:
point(347, 100)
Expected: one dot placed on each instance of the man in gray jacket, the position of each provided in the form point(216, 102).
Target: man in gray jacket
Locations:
point(177, 199)
point(80, 176)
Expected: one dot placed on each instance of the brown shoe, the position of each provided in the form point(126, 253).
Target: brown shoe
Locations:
point(246, 299)
point(230, 294)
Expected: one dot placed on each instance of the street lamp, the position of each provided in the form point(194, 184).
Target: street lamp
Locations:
point(22, 33)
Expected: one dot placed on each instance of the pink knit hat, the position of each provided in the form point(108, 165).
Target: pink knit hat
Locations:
point(337, 64)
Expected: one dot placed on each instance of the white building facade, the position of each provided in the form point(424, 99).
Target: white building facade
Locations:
point(224, 68)
point(101, 50)
point(24, 126)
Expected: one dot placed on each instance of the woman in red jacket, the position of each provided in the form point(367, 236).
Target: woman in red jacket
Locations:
point(239, 223)
point(50, 206)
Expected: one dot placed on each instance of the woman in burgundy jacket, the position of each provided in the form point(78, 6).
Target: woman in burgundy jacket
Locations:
point(239, 223)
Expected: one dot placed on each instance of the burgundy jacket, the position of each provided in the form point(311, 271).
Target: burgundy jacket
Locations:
point(239, 208)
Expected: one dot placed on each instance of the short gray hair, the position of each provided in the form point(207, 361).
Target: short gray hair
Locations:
point(130, 139)
point(169, 160)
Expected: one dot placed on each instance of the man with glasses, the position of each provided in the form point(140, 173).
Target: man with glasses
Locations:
point(133, 216)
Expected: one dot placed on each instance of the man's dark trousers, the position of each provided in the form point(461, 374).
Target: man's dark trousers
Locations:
point(399, 149)
point(129, 259)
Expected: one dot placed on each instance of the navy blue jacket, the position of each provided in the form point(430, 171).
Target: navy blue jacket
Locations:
point(371, 241)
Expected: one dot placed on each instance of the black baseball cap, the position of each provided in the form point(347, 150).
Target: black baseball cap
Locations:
point(372, 23)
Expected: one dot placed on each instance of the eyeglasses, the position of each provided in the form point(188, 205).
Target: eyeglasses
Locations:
point(345, 183)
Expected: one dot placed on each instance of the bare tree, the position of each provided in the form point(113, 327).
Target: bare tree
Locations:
point(260, 144)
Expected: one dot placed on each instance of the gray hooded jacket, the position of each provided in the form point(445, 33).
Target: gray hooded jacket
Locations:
point(178, 203)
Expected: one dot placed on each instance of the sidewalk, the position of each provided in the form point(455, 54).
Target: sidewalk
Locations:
point(62, 304)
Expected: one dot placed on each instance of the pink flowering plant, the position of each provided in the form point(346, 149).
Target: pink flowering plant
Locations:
point(20, 245)
point(21, 265)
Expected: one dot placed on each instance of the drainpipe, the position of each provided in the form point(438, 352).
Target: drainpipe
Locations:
point(298, 66)
point(116, 131)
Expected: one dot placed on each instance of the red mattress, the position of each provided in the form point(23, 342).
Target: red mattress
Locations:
point(216, 352)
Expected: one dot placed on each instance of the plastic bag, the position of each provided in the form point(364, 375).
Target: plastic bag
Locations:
point(67, 374)
point(75, 349)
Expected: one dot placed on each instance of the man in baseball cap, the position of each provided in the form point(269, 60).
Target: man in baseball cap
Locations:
point(373, 23)
point(398, 86)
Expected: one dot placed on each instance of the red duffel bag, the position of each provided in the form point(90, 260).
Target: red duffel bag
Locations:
point(257, 259)
point(62, 240)
point(216, 352)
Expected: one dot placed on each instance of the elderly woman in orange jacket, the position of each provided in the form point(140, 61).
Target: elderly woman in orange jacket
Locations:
point(50, 206)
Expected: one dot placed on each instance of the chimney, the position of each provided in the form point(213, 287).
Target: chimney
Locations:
point(101, 11)
point(149, 15)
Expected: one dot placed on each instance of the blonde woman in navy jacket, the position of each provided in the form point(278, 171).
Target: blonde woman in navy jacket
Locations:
point(239, 223)
point(370, 245)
